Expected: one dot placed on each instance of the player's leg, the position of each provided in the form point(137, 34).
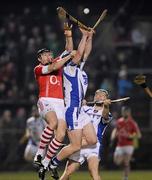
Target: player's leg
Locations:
point(93, 165)
point(75, 137)
point(56, 142)
point(70, 168)
point(118, 156)
point(127, 158)
point(89, 135)
point(47, 111)
point(47, 135)
point(30, 152)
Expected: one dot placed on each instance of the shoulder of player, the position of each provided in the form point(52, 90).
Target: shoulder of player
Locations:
point(38, 67)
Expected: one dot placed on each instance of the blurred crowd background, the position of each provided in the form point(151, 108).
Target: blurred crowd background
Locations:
point(122, 48)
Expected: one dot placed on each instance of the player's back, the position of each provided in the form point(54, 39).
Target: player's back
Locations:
point(75, 84)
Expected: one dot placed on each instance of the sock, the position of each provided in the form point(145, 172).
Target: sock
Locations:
point(52, 149)
point(55, 161)
point(44, 140)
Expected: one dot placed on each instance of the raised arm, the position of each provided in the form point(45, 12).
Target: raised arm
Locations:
point(58, 64)
point(68, 37)
point(141, 80)
point(105, 112)
point(77, 58)
point(88, 46)
point(113, 134)
point(148, 91)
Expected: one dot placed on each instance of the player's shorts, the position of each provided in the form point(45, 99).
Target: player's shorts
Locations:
point(122, 150)
point(86, 153)
point(84, 118)
point(75, 118)
point(46, 105)
point(71, 116)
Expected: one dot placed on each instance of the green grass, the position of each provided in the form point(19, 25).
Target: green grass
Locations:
point(80, 175)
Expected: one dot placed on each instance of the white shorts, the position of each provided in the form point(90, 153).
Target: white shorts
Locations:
point(75, 118)
point(84, 118)
point(86, 153)
point(122, 150)
point(51, 104)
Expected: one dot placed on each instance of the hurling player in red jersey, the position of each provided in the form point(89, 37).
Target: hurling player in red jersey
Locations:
point(125, 132)
point(48, 75)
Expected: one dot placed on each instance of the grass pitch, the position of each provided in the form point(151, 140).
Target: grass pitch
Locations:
point(79, 175)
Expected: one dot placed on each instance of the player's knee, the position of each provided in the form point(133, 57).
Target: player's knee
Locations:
point(92, 141)
point(60, 135)
point(126, 163)
point(76, 147)
point(68, 173)
point(52, 124)
point(117, 160)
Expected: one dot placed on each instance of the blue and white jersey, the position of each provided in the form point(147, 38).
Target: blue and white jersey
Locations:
point(75, 82)
point(98, 121)
point(35, 128)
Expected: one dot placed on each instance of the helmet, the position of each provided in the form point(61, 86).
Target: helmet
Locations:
point(42, 51)
point(103, 90)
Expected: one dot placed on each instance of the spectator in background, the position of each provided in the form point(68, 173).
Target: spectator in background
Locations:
point(8, 138)
point(124, 85)
point(20, 121)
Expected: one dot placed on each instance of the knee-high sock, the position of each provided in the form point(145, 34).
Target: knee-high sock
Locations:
point(45, 140)
point(52, 150)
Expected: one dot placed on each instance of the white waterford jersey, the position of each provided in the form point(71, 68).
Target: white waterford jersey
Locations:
point(75, 84)
point(35, 128)
point(98, 121)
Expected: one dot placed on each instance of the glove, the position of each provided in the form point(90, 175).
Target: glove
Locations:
point(140, 79)
point(67, 27)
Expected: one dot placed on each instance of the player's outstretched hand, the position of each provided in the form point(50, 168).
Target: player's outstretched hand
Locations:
point(67, 29)
point(140, 79)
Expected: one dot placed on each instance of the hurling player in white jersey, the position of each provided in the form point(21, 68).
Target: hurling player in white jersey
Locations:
point(100, 117)
point(75, 86)
point(34, 128)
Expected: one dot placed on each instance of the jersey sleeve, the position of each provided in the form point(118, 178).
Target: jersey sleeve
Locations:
point(39, 70)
